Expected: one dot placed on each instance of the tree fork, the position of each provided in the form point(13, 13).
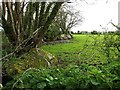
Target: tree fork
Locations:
point(36, 38)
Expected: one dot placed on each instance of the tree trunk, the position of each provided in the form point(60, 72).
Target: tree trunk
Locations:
point(34, 40)
point(20, 26)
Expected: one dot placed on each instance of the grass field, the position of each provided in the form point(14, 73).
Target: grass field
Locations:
point(70, 51)
point(75, 45)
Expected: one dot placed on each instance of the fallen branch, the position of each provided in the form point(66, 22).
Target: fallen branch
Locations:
point(10, 54)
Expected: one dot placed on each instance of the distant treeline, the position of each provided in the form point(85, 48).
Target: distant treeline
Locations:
point(95, 32)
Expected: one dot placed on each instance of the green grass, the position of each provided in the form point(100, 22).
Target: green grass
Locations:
point(65, 50)
point(70, 51)
point(91, 47)
point(74, 45)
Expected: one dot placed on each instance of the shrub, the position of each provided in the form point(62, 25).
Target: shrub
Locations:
point(53, 33)
point(94, 32)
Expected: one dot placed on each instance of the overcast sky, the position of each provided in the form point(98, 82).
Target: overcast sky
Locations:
point(96, 13)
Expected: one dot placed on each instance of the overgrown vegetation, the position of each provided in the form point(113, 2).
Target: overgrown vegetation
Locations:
point(84, 76)
point(83, 63)
point(86, 61)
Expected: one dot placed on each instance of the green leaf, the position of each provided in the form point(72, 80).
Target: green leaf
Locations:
point(51, 78)
point(94, 82)
point(47, 79)
point(41, 85)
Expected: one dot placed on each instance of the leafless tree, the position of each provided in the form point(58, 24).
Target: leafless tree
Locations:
point(25, 23)
point(68, 18)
